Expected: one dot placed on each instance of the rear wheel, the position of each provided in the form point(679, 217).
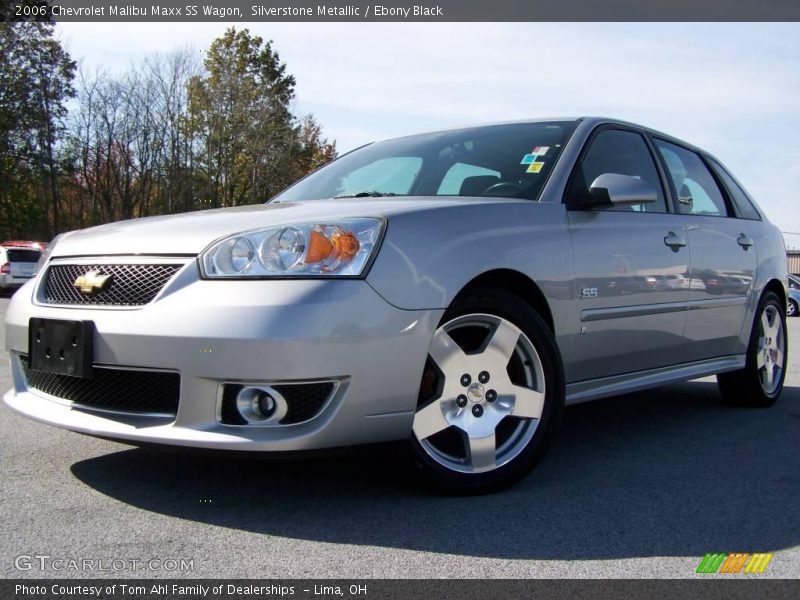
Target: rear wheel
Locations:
point(491, 397)
point(791, 308)
point(760, 382)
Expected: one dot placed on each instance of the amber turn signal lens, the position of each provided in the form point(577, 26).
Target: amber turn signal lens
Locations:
point(346, 245)
point(341, 246)
point(319, 247)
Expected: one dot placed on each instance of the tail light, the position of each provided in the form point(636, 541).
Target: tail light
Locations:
point(5, 269)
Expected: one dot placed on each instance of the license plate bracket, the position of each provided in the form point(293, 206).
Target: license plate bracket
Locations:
point(62, 347)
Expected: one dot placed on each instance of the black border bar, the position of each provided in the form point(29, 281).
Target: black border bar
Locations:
point(712, 587)
point(400, 10)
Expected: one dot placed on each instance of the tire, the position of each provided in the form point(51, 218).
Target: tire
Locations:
point(760, 382)
point(492, 395)
point(791, 308)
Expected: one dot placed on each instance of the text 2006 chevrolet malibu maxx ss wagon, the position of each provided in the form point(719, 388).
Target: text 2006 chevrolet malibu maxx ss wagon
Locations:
point(454, 288)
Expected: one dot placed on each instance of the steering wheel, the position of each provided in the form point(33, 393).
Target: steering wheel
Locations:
point(503, 188)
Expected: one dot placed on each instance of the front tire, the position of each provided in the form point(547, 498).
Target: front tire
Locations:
point(492, 394)
point(791, 308)
point(761, 381)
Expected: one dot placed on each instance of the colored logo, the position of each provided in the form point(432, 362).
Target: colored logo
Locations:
point(740, 562)
point(92, 281)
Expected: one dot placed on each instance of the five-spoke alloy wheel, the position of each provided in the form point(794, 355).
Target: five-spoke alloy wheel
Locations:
point(760, 383)
point(491, 395)
point(770, 349)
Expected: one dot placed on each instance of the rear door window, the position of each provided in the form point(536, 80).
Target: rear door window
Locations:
point(697, 192)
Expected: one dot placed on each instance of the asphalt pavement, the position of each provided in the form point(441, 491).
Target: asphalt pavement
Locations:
point(641, 485)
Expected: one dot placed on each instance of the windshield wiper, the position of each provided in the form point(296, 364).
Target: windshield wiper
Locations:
point(368, 195)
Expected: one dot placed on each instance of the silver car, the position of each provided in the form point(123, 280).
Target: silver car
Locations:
point(455, 289)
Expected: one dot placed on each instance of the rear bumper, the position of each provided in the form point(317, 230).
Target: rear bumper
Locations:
point(270, 332)
point(10, 282)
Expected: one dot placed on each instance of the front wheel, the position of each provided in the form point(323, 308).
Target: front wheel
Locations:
point(760, 382)
point(491, 397)
point(791, 308)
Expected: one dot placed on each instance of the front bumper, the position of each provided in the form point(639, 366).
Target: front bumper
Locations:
point(259, 331)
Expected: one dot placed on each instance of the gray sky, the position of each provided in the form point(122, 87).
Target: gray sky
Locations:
point(733, 89)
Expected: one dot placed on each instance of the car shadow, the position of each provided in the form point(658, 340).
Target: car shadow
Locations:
point(669, 472)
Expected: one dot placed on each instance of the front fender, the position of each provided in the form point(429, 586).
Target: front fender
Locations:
point(427, 258)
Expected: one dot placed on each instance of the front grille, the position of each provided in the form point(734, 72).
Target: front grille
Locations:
point(139, 392)
point(130, 285)
point(305, 400)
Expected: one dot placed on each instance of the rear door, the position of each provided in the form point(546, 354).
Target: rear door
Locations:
point(631, 265)
point(723, 254)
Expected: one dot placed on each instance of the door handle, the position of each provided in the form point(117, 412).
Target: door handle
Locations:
point(675, 241)
point(744, 241)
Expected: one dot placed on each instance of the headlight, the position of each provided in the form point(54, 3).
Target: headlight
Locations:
point(333, 248)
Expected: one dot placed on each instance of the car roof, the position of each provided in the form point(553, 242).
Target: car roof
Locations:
point(590, 121)
point(594, 121)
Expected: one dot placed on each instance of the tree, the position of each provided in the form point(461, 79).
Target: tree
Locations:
point(169, 76)
point(240, 112)
point(314, 150)
point(165, 136)
point(128, 147)
point(35, 84)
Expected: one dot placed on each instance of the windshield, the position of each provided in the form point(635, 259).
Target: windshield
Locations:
point(509, 161)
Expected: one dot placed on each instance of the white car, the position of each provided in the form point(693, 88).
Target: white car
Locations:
point(17, 265)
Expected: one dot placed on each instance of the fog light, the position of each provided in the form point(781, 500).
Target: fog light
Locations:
point(261, 405)
point(266, 404)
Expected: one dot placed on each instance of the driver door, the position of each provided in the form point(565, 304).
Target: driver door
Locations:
point(631, 266)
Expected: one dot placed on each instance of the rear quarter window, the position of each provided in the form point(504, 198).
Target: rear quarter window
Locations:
point(744, 206)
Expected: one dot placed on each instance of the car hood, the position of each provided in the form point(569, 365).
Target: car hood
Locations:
point(190, 233)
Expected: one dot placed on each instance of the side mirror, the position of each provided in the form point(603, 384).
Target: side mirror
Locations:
point(613, 189)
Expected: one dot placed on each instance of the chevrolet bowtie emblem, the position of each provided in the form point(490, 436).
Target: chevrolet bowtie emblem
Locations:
point(91, 281)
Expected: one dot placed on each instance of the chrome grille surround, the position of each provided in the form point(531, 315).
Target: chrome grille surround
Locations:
point(135, 281)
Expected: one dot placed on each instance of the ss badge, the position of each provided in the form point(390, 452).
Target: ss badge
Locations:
point(589, 293)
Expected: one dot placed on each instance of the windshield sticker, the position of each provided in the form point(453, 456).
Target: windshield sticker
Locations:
point(535, 153)
point(534, 167)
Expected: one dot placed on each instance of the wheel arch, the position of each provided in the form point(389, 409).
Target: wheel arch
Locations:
point(773, 285)
point(515, 283)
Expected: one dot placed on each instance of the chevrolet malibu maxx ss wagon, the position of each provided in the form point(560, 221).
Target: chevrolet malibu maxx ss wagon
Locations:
point(454, 289)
